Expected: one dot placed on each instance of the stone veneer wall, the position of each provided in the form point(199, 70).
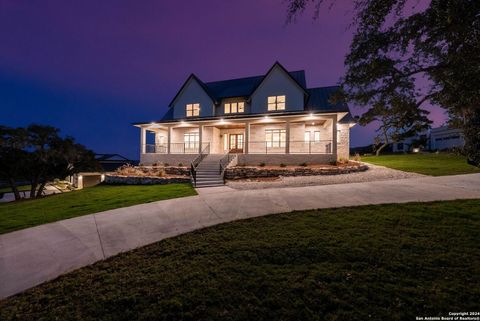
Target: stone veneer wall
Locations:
point(239, 172)
point(143, 180)
point(172, 159)
point(343, 147)
point(287, 159)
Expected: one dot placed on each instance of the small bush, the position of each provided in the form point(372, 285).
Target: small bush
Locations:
point(357, 157)
point(180, 164)
point(166, 164)
point(261, 164)
point(303, 164)
point(342, 160)
point(283, 165)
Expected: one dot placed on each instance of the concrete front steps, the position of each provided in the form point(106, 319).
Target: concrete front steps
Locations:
point(208, 172)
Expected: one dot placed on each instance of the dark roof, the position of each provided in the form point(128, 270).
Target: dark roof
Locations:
point(348, 119)
point(110, 157)
point(319, 100)
point(244, 87)
point(201, 83)
point(240, 87)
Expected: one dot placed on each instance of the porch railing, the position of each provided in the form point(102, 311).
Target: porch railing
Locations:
point(175, 148)
point(295, 147)
point(193, 165)
point(254, 147)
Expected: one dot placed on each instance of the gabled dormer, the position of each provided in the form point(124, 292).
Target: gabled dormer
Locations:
point(278, 91)
point(193, 100)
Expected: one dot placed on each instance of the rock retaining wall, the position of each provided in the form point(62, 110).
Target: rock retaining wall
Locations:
point(241, 172)
point(174, 170)
point(143, 180)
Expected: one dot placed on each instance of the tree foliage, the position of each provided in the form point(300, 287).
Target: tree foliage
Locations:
point(39, 154)
point(421, 55)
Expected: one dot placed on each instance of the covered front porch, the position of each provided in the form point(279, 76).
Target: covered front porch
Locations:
point(268, 135)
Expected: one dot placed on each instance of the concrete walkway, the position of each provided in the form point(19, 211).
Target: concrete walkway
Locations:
point(34, 255)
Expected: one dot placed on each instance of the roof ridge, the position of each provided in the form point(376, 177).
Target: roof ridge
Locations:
point(209, 82)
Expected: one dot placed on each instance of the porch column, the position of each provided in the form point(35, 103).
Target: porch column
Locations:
point(287, 137)
point(143, 140)
point(247, 137)
point(334, 136)
point(169, 139)
point(200, 134)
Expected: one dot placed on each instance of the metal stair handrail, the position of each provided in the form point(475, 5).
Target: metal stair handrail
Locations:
point(196, 161)
point(224, 161)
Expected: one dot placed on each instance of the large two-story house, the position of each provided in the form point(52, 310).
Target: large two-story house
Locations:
point(273, 119)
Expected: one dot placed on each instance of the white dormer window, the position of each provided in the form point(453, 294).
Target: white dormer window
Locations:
point(233, 108)
point(276, 103)
point(192, 110)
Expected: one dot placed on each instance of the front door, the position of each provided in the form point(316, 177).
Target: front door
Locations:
point(236, 143)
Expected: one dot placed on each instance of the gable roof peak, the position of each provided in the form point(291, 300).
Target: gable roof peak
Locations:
point(201, 83)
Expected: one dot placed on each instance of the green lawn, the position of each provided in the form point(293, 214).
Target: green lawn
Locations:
point(428, 164)
point(386, 262)
point(22, 214)
point(20, 188)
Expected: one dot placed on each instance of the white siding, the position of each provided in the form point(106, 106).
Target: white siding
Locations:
point(193, 93)
point(277, 83)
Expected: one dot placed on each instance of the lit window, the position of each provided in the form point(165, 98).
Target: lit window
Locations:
point(193, 110)
point(275, 137)
point(191, 140)
point(276, 103)
point(316, 137)
point(338, 136)
point(232, 108)
point(307, 137)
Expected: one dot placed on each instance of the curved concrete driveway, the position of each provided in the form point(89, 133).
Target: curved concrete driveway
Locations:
point(34, 255)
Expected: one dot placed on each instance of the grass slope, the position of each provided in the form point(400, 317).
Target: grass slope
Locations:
point(428, 164)
point(23, 214)
point(386, 262)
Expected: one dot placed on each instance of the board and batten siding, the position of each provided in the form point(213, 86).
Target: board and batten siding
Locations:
point(192, 93)
point(277, 83)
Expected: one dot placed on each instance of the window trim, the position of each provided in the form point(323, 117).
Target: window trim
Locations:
point(192, 110)
point(191, 140)
point(238, 105)
point(276, 133)
point(277, 100)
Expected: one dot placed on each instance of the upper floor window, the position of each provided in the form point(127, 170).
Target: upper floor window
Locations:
point(232, 108)
point(192, 110)
point(276, 102)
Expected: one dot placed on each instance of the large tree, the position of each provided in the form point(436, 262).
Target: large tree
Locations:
point(426, 52)
point(39, 154)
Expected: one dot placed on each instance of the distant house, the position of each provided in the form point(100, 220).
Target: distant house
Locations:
point(110, 162)
point(272, 118)
point(439, 138)
point(445, 138)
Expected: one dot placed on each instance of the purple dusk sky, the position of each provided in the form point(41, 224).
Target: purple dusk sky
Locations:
point(92, 68)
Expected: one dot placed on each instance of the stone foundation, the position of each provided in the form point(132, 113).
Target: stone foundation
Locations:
point(171, 159)
point(143, 180)
point(287, 159)
point(242, 172)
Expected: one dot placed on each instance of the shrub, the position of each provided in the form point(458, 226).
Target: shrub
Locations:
point(180, 164)
point(166, 164)
point(283, 165)
point(303, 164)
point(357, 157)
point(262, 165)
point(342, 160)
